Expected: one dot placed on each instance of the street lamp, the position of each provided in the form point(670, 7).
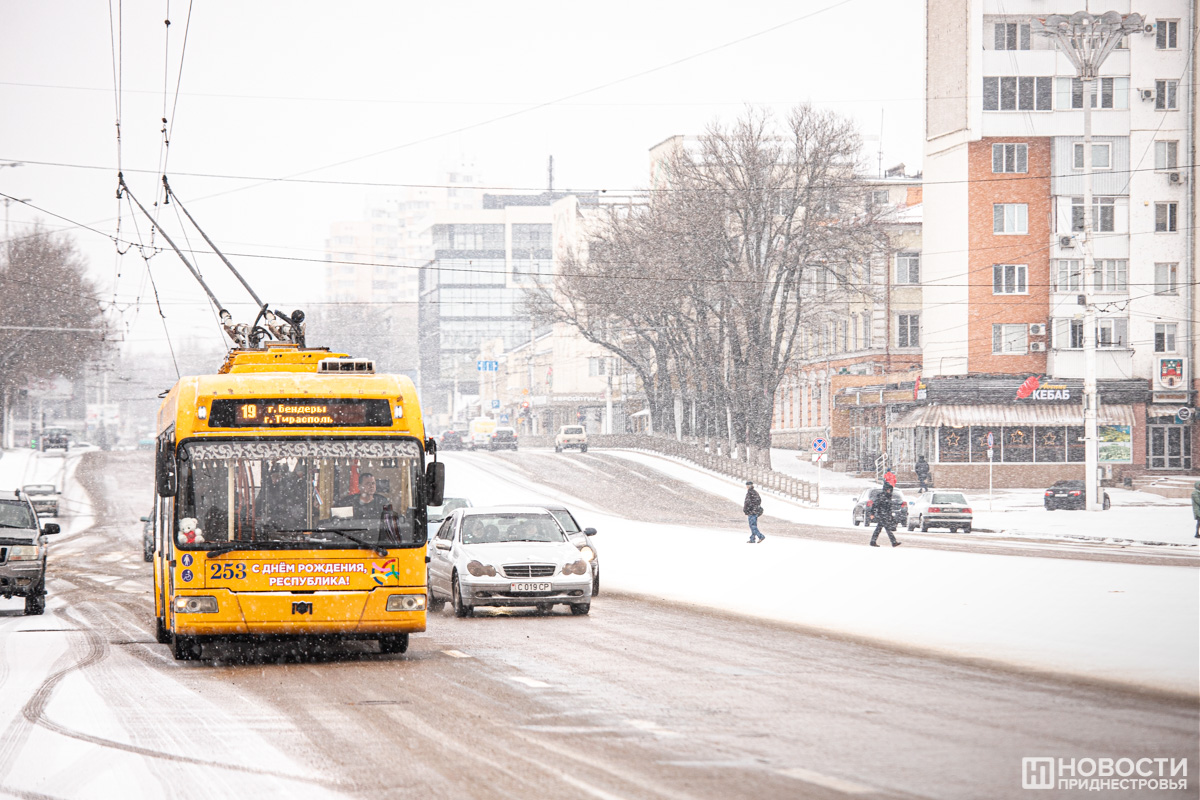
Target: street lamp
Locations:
point(1087, 39)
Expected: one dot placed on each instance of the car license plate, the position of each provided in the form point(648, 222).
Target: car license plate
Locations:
point(530, 587)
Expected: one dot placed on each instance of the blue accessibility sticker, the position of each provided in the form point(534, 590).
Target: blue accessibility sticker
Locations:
point(187, 575)
point(187, 559)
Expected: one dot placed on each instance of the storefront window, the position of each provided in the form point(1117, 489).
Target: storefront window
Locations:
point(954, 444)
point(1018, 444)
point(1076, 451)
point(979, 443)
point(1051, 445)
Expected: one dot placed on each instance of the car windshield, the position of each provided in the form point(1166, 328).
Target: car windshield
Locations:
point(298, 493)
point(449, 506)
point(950, 497)
point(565, 520)
point(39, 488)
point(494, 528)
point(16, 514)
point(572, 431)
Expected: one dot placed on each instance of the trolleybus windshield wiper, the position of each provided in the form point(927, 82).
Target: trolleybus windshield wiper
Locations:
point(360, 542)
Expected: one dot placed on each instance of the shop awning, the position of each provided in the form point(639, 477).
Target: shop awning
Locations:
point(997, 414)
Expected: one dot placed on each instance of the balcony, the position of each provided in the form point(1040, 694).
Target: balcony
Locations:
point(1111, 363)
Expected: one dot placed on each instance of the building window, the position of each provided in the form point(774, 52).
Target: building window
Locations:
point(1068, 334)
point(1068, 277)
point(1010, 218)
point(1166, 95)
point(1164, 278)
point(1166, 217)
point(1166, 34)
point(1010, 279)
point(1164, 337)
point(1112, 332)
point(1104, 214)
point(1010, 340)
point(1112, 275)
point(1011, 36)
point(1010, 158)
point(879, 197)
point(866, 330)
point(908, 330)
point(596, 367)
point(1166, 155)
point(1170, 447)
point(908, 268)
point(1018, 94)
point(1101, 156)
point(1107, 93)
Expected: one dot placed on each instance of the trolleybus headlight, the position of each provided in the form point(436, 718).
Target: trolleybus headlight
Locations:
point(23, 553)
point(478, 569)
point(406, 602)
point(196, 605)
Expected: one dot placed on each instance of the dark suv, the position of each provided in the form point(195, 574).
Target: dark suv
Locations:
point(55, 438)
point(23, 552)
point(864, 514)
point(1070, 494)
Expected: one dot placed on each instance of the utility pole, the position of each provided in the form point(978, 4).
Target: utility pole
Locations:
point(1087, 40)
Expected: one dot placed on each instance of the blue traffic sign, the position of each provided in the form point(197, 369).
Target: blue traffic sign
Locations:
point(487, 366)
point(820, 445)
point(504, 419)
point(495, 404)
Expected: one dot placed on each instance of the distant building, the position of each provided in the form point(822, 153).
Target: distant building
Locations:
point(1003, 256)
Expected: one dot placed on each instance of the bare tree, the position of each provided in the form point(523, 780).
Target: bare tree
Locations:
point(53, 324)
point(713, 284)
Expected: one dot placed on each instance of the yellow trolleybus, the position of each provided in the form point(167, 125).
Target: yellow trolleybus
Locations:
point(290, 497)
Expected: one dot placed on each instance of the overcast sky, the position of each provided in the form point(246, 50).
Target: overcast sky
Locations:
point(392, 92)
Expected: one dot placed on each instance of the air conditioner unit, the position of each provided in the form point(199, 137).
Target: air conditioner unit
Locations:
point(1037, 347)
point(1037, 329)
point(1149, 28)
point(1174, 177)
point(1147, 95)
point(1066, 241)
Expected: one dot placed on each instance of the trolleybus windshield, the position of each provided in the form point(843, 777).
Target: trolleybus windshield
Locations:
point(320, 494)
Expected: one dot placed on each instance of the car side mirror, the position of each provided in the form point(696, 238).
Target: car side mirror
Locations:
point(589, 531)
point(441, 544)
point(144, 519)
point(50, 527)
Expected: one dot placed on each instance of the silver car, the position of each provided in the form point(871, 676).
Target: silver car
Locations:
point(23, 552)
point(940, 509)
point(506, 556)
point(44, 497)
point(436, 514)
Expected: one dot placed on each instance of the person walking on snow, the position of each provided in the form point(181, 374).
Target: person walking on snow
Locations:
point(922, 470)
point(883, 516)
point(752, 508)
point(1196, 507)
point(889, 478)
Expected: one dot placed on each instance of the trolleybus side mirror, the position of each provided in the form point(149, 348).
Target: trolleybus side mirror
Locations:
point(164, 471)
point(435, 481)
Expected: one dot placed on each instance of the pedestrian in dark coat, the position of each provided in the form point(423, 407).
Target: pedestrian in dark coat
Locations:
point(883, 516)
point(922, 470)
point(1196, 507)
point(752, 508)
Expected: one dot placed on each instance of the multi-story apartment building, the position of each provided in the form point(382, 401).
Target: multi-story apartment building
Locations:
point(1004, 248)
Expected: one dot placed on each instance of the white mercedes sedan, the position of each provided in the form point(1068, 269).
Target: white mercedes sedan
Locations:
point(506, 556)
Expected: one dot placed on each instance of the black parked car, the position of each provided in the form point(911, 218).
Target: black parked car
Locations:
point(451, 440)
point(1069, 494)
point(863, 513)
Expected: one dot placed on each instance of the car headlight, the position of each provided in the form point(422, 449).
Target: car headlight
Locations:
point(196, 604)
point(23, 553)
point(578, 568)
point(406, 602)
point(479, 569)
point(588, 553)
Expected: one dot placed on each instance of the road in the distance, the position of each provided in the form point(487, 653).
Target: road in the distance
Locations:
point(635, 701)
point(638, 491)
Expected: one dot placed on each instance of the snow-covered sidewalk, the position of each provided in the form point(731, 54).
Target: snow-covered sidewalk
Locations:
point(1136, 517)
point(1123, 623)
